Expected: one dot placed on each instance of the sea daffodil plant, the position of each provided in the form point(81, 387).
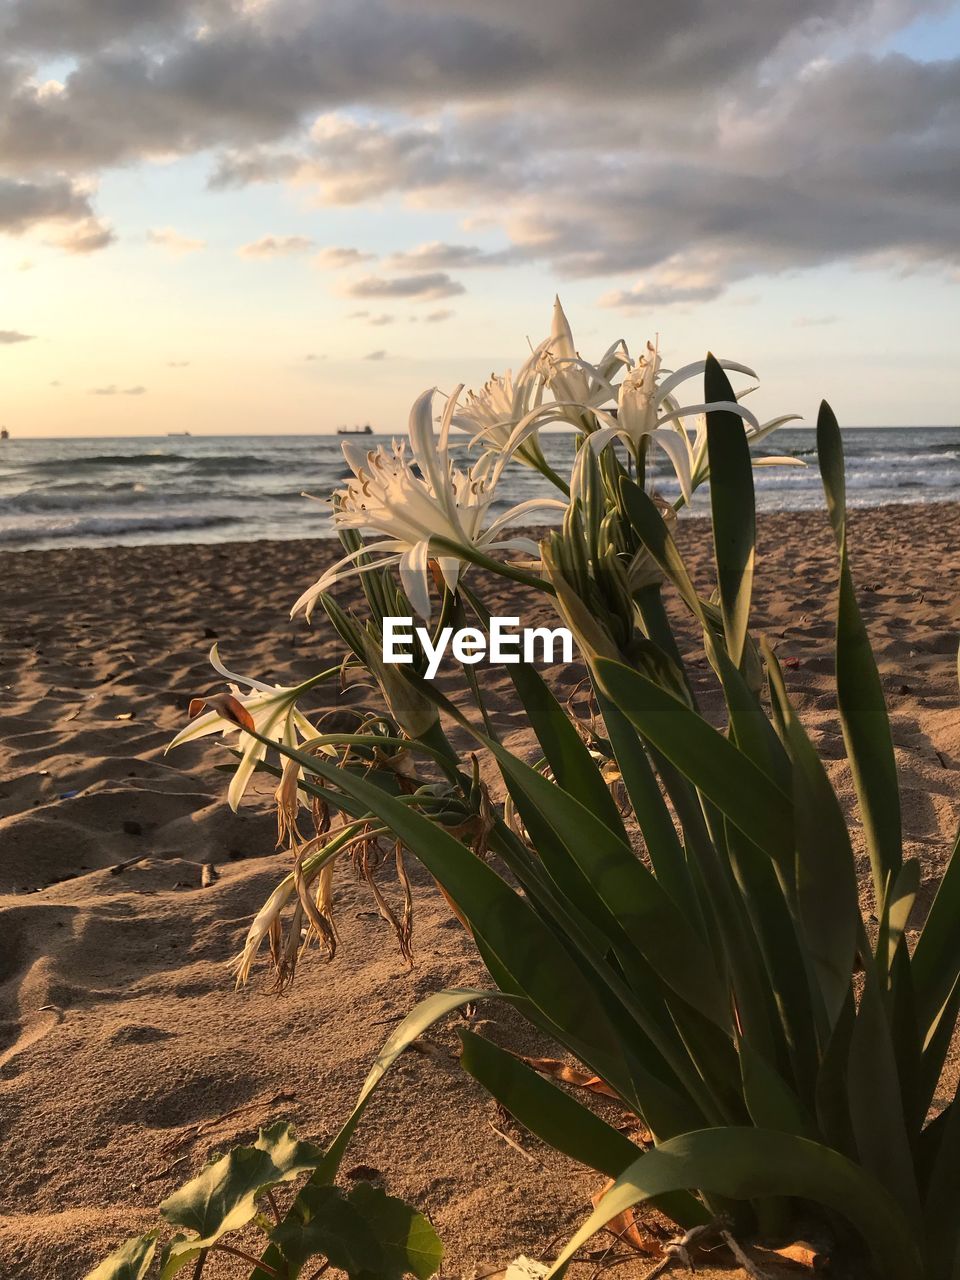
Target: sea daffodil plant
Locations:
point(673, 902)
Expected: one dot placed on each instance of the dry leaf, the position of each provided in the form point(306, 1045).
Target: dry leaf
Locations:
point(227, 705)
point(625, 1227)
point(805, 1255)
point(558, 1070)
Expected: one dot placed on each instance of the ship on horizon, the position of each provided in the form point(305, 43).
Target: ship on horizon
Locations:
point(365, 430)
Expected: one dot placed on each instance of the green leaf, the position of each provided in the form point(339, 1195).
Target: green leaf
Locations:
point(651, 528)
point(408, 1243)
point(176, 1254)
point(289, 1154)
point(747, 1164)
point(770, 1100)
point(331, 1228)
point(572, 764)
point(224, 1196)
point(827, 900)
point(940, 1204)
point(649, 808)
point(876, 1101)
point(422, 1016)
point(863, 712)
point(743, 793)
point(936, 958)
point(418, 1020)
point(559, 1120)
point(130, 1262)
point(733, 507)
point(632, 895)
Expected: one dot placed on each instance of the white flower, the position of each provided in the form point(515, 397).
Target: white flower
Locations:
point(493, 413)
point(571, 379)
point(423, 508)
point(648, 409)
point(273, 711)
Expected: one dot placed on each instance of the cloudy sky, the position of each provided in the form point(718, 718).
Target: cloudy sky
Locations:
point(281, 215)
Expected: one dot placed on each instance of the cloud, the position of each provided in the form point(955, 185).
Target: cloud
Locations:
point(88, 236)
point(335, 258)
point(113, 390)
point(176, 244)
point(435, 284)
point(382, 319)
point(9, 337)
point(437, 317)
point(71, 26)
point(275, 247)
point(180, 76)
point(178, 364)
point(26, 204)
point(376, 355)
point(766, 143)
point(440, 256)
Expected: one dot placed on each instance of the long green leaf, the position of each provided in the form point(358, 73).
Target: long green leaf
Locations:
point(649, 917)
point(863, 712)
point(876, 1099)
point(825, 876)
point(566, 753)
point(418, 1020)
point(559, 1120)
point(747, 1164)
point(714, 765)
point(936, 958)
point(733, 507)
point(649, 808)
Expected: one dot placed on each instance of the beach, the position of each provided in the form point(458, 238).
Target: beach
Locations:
point(126, 1054)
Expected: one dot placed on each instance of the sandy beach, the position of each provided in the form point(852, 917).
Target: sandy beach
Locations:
point(126, 1055)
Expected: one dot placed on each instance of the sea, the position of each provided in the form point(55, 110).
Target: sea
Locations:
point(107, 491)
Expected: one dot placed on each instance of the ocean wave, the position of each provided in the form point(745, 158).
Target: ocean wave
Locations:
point(107, 527)
point(85, 461)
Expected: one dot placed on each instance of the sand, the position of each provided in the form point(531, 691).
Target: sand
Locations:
point(126, 1056)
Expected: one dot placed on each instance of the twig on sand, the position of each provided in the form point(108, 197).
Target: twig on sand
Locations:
point(749, 1266)
point(118, 867)
point(516, 1145)
point(679, 1251)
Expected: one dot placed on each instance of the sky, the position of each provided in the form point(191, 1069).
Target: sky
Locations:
point(286, 215)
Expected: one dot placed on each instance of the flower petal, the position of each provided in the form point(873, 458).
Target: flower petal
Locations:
point(414, 577)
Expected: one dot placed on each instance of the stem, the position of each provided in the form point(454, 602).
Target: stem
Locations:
point(274, 1208)
point(201, 1263)
point(548, 473)
point(499, 567)
point(248, 1257)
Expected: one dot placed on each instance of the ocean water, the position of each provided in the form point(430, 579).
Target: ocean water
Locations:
point(110, 491)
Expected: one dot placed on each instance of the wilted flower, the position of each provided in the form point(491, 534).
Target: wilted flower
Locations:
point(273, 711)
point(423, 508)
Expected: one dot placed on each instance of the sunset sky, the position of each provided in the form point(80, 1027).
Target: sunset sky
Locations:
point(280, 216)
